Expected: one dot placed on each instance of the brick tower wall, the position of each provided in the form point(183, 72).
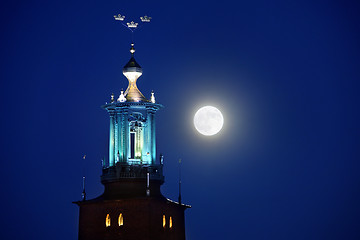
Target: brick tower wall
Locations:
point(142, 219)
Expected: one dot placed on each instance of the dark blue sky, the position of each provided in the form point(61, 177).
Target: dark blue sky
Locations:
point(285, 74)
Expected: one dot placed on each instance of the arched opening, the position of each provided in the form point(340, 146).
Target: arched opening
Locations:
point(107, 220)
point(121, 219)
point(170, 222)
point(164, 221)
point(136, 140)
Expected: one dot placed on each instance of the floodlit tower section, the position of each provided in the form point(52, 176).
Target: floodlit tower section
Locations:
point(132, 138)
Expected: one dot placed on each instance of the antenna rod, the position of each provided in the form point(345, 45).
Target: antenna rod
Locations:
point(83, 192)
point(180, 181)
point(148, 184)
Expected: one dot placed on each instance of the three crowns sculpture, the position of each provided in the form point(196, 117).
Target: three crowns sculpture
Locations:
point(132, 26)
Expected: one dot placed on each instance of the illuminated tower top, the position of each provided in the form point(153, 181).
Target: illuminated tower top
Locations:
point(132, 205)
point(132, 139)
point(132, 71)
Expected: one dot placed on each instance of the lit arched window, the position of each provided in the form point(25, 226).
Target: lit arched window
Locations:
point(121, 220)
point(107, 220)
point(170, 222)
point(136, 136)
point(164, 221)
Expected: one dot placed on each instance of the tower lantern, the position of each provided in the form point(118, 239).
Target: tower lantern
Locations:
point(132, 205)
point(132, 123)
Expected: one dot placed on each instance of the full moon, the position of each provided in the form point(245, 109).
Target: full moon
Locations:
point(208, 120)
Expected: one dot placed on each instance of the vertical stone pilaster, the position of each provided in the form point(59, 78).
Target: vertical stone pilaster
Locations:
point(116, 137)
point(125, 133)
point(152, 135)
point(112, 139)
point(122, 138)
point(153, 139)
point(146, 141)
point(119, 134)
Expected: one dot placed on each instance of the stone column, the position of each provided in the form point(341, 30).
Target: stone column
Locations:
point(152, 134)
point(118, 136)
point(124, 135)
point(146, 141)
point(112, 139)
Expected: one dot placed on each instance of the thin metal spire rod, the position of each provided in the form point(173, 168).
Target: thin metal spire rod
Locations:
point(148, 184)
point(148, 180)
point(83, 194)
point(180, 181)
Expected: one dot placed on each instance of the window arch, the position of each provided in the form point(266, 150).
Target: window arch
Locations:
point(121, 219)
point(164, 221)
point(136, 138)
point(170, 222)
point(107, 220)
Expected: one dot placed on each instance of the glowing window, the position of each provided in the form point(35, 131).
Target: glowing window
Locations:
point(107, 220)
point(170, 222)
point(121, 220)
point(164, 221)
point(136, 137)
point(132, 145)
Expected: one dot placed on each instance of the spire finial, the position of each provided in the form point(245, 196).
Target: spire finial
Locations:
point(132, 49)
point(152, 98)
point(121, 98)
point(161, 159)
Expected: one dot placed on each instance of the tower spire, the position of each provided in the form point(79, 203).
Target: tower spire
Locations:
point(132, 71)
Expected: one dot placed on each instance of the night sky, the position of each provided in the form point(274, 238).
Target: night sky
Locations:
point(285, 75)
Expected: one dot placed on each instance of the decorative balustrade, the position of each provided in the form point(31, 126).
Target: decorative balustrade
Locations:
point(132, 171)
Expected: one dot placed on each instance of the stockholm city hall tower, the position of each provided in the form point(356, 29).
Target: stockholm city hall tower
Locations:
point(132, 206)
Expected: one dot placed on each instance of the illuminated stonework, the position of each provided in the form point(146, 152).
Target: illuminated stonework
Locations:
point(132, 133)
point(132, 123)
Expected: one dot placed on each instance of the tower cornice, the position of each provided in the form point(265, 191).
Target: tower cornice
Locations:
point(147, 105)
